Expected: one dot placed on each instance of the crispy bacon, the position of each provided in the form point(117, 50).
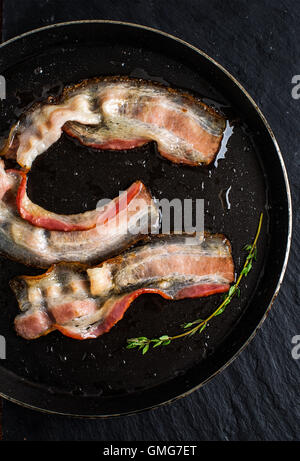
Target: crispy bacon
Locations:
point(121, 113)
point(124, 221)
point(85, 303)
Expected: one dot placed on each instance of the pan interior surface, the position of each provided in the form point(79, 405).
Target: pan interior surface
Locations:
point(101, 377)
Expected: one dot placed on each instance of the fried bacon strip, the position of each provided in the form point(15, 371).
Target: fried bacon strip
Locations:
point(120, 224)
point(85, 303)
point(121, 113)
point(40, 217)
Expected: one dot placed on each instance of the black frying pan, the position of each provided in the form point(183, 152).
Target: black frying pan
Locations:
point(101, 377)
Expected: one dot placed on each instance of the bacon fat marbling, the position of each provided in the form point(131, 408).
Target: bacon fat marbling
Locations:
point(121, 113)
point(118, 227)
point(86, 302)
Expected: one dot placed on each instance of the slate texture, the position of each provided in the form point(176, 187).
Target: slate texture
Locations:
point(257, 397)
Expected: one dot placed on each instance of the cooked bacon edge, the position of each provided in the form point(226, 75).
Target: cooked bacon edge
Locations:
point(121, 113)
point(118, 227)
point(86, 302)
point(40, 217)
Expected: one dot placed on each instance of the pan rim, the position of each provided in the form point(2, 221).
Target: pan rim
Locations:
point(288, 197)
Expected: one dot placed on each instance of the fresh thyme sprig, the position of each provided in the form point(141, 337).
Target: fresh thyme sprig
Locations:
point(143, 343)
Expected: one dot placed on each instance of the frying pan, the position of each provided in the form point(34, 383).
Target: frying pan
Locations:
point(101, 377)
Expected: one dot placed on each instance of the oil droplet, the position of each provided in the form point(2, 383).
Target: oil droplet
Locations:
point(224, 198)
point(223, 149)
point(38, 70)
point(227, 198)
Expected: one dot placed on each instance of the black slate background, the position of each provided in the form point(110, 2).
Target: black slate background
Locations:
point(257, 397)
